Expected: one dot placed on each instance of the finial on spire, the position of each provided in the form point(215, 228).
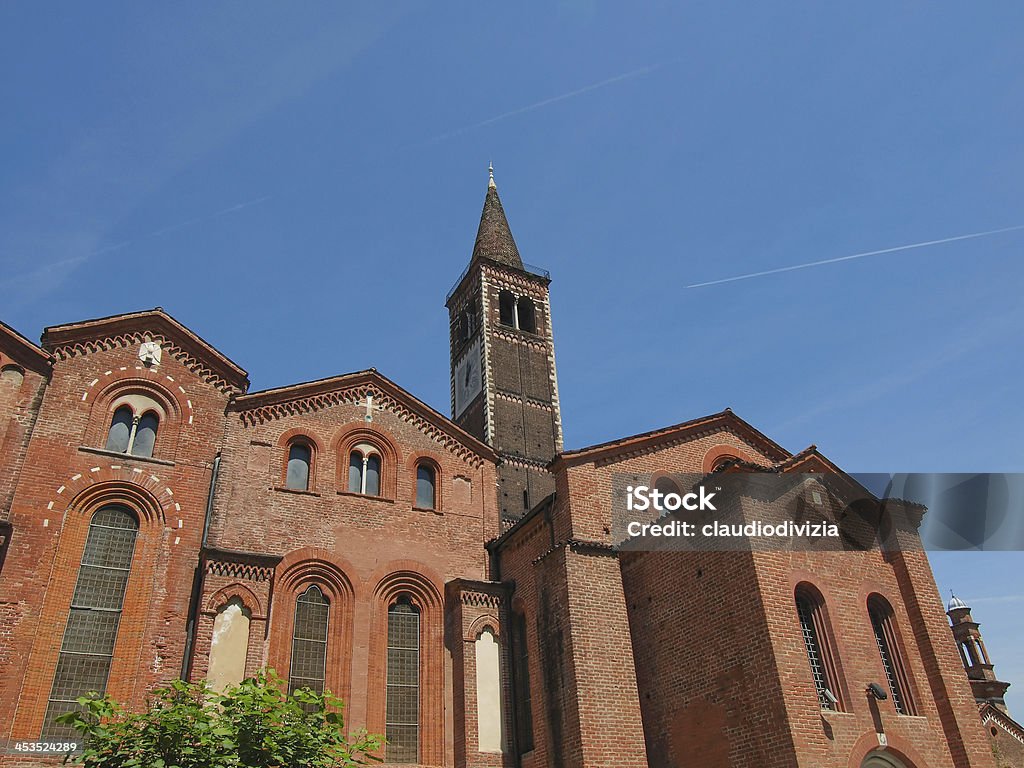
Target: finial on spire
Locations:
point(490, 170)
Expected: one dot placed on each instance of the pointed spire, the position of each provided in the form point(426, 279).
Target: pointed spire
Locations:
point(494, 237)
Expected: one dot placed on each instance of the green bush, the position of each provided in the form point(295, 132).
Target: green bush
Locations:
point(254, 725)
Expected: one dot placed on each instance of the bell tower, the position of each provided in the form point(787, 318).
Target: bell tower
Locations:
point(980, 670)
point(503, 387)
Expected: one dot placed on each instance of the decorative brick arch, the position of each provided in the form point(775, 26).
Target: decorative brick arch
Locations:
point(804, 583)
point(135, 487)
point(348, 437)
point(434, 460)
point(224, 595)
point(114, 385)
point(487, 621)
point(296, 435)
point(294, 574)
point(720, 452)
point(897, 747)
point(409, 578)
point(83, 502)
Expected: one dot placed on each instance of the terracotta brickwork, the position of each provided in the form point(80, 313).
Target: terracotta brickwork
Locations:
point(479, 537)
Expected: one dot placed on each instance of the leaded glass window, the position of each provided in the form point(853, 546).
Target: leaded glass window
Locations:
point(309, 641)
point(885, 638)
point(87, 649)
point(807, 609)
point(403, 682)
point(425, 485)
point(521, 671)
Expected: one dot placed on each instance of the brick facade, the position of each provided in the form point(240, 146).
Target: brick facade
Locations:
point(604, 658)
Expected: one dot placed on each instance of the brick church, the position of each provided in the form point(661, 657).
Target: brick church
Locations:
point(453, 579)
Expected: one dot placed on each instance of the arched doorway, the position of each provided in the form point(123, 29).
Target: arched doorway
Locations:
point(882, 760)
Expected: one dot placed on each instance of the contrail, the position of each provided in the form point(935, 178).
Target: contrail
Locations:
point(76, 260)
point(199, 219)
point(749, 275)
point(545, 102)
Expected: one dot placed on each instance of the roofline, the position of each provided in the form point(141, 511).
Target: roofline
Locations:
point(68, 333)
point(290, 392)
point(644, 439)
point(28, 354)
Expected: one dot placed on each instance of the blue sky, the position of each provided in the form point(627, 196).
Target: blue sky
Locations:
point(301, 185)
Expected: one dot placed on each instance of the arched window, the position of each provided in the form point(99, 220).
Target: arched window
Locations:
point(666, 485)
point(87, 649)
point(884, 629)
point(521, 683)
point(309, 641)
point(817, 643)
point(402, 721)
point(131, 434)
point(300, 456)
point(120, 429)
point(527, 315)
point(721, 461)
point(507, 309)
point(364, 468)
point(426, 486)
point(145, 435)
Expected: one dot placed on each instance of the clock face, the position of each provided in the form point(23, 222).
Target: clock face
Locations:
point(468, 380)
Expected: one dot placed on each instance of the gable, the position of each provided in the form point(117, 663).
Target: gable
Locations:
point(355, 389)
point(17, 348)
point(130, 329)
point(660, 439)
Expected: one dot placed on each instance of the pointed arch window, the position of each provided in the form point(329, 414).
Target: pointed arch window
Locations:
point(426, 486)
point(87, 649)
point(884, 629)
point(402, 721)
point(309, 641)
point(364, 470)
point(818, 644)
point(300, 459)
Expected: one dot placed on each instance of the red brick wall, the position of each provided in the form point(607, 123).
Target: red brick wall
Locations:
point(63, 480)
point(372, 548)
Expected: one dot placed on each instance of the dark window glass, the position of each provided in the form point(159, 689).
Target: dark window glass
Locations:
point(145, 435)
point(373, 475)
point(87, 649)
point(297, 478)
point(892, 662)
point(807, 609)
point(355, 472)
point(521, 671)
point(403, 683)
point(666, 485)
point(309, 641)
point(425, 479)
point(120, 430)
point(506, 308)
point(527, 315)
